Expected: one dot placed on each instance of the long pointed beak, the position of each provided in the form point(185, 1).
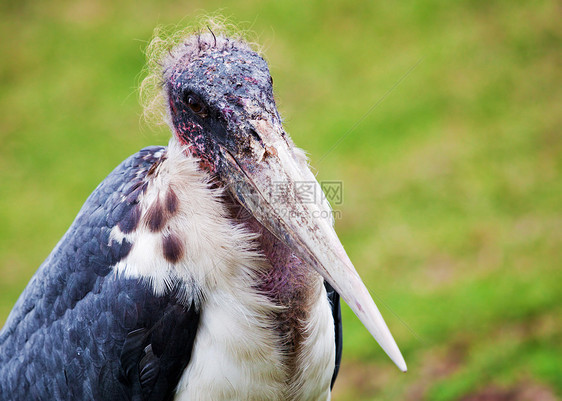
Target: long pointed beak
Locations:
point(278, 191)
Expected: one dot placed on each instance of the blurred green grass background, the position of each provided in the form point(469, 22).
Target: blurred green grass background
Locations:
point(452, 185)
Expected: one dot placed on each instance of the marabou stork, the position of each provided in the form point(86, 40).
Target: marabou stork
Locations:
point(185, 276)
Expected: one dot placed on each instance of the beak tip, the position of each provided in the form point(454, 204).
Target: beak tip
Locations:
point(395, 355)
point(371, 317)
point(401, 363)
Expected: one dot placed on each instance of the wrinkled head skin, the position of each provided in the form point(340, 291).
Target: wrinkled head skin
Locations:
point(221, 107)
point(218, 95)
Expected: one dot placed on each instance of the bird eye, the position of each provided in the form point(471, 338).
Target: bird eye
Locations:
point(196, 105)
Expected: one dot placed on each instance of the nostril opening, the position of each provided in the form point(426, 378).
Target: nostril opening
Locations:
point(255, 135)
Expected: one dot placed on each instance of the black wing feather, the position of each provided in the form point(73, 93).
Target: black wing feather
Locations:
point(334, 299)
point(149, 367)
point(80, 332)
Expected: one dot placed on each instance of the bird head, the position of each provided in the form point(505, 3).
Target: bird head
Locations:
point(221, 107)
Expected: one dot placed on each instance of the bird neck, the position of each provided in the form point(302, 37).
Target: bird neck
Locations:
point(287, 282)
point(288, 279)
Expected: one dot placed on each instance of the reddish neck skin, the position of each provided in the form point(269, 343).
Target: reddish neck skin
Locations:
point(288, 281)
